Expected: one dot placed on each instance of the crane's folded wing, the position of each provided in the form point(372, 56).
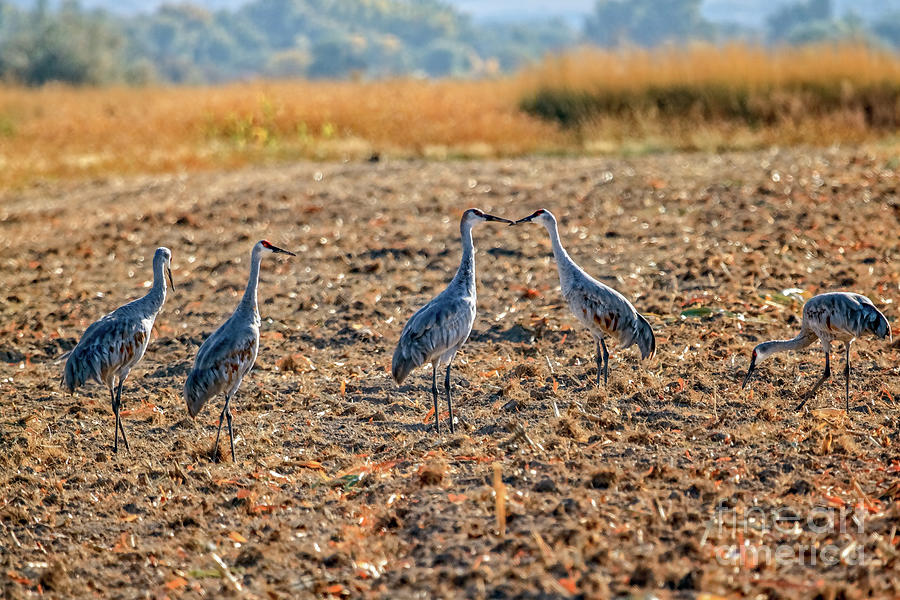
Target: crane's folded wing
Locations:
point(435, 329)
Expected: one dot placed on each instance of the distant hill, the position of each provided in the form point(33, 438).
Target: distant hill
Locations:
point(132, 7)
point(753, 13)
point(571, 11)
point(748, 13)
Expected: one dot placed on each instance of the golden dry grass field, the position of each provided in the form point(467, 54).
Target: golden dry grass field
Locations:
point(670, 482)
point(54, 133)
point(609, 103)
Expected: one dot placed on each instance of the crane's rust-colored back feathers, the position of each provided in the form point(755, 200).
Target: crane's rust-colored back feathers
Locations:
point(633, 328)
point(219, 368)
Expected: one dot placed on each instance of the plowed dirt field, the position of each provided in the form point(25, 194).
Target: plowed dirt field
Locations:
point(672, 480)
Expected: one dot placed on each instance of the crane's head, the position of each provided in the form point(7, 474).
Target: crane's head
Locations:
point(476, 215)
point(760, 353)
point(267, 246)
point(165, 255)
point(541, 215)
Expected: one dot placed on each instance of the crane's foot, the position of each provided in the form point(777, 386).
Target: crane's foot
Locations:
point(216, 455)
point(124, 439)
point(116, 448)
point(803, 403)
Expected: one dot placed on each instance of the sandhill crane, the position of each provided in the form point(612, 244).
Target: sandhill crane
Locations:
point(229, 353)
point(603, 310)
point(835, 316)
point(111, 347)
point(439, 329)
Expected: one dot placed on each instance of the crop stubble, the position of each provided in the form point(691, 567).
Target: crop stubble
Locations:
point(342, 488)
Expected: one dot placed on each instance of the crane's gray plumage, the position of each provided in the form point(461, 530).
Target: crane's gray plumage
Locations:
point(604, 311)
point(835, 316)
point(229, 353)
point(112, 346)
point(437, 331)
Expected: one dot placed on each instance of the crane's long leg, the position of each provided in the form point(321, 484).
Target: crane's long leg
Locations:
point(605, 364)
point(118, 408)
point(230, 430)
point(115, 397)
point(819, 383)
point(437, 427)
point(847, 379)
point(219, 430)
point(112, 401)
point(449, 400)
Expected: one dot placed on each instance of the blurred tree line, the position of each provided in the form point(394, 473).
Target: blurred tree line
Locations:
point(651, 22)
point(183, 43)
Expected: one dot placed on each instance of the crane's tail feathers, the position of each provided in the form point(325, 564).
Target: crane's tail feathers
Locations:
point(195, 392)
point(400, 368)
point(644, 337)
point(80, 368)
point(876, 323)
point(404, 361)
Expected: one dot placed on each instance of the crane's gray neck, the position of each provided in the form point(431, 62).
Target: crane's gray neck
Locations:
point(157, 294)
point(465, 275)
point(563, 262)
point(248, 302)
point(802, 340)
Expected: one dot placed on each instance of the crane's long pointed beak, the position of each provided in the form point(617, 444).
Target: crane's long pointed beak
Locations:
point(278, 250)
point(488, 217)
point(749, 373)
point(524, 220)
point(169, 273)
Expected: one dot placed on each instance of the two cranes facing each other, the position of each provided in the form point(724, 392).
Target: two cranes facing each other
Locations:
point(439, 329)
